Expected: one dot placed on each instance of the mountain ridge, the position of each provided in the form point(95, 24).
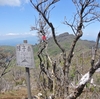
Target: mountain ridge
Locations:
point(64, 39)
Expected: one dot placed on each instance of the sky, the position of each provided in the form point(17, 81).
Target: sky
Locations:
point(17, 16)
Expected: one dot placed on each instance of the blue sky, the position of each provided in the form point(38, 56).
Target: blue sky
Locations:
point(17, 16)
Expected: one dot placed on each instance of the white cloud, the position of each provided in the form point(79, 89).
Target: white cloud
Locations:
point(17, 35)
point(11, 34)
point(13, 2)
point(10, 2)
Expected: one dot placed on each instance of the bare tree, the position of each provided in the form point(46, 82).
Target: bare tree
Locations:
point(5, 60)
point(43, 33)
point(85, 13)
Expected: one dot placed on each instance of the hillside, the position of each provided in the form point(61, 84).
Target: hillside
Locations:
point(15, 78)
point(7, 48)
point(65, 41)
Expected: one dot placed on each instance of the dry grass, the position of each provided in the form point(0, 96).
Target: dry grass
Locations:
point(17, 94)
point(22, 94)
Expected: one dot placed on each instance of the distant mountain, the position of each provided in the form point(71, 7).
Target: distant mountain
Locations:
point(65, 40)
